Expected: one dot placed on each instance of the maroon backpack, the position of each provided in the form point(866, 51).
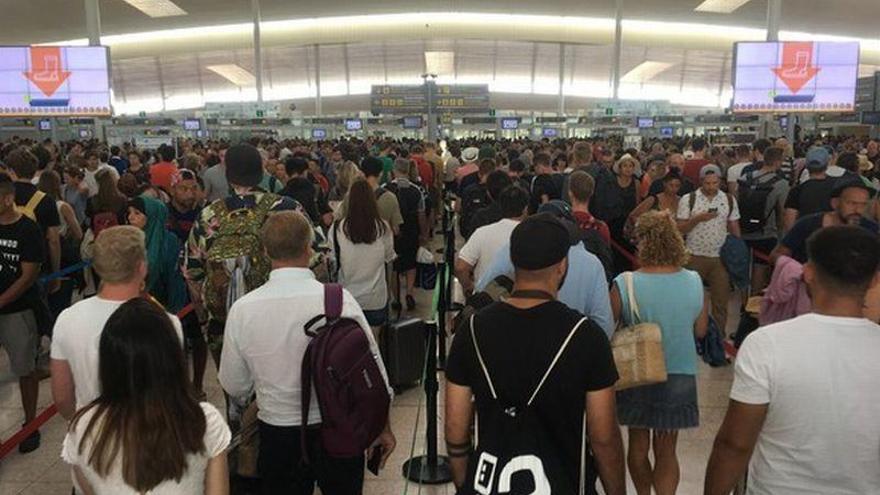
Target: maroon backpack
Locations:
point(351, 392)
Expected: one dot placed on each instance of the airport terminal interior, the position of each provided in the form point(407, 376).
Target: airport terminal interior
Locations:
point(626, 96)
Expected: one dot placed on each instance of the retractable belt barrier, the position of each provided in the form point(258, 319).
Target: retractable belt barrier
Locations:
point(42, 418)
point(625, 253)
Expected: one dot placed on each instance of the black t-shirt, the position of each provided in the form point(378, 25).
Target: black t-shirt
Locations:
point(657, 187)
point(20, 242)
point(541, 185)
point(46, 211)
point(486, 216)
point(181, 222)
point(796, 239)
point(813, 196)
point(473, 199)
point(468, 180)
point(518, 346)
point(305, 192)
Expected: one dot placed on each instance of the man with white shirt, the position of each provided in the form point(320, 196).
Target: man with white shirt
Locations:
point(705, 217)
point(93, 166)
point(743, 160)
point(120, 260)
point(805, 401)
point(474, 258)
point(263, 348)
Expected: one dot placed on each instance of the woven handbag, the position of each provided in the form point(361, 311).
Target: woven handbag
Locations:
point(637, 348)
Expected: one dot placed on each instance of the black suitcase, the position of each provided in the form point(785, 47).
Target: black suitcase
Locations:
point(403, 345)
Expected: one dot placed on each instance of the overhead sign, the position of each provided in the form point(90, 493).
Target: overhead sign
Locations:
point(868, 93)
point(54, 80)
point(800, 76)
point(445, 98)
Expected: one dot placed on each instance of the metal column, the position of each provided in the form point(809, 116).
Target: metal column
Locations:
point(618, 42)
point(432, 119)
point(774, 15)
point(317, 80)
point(561, 79)
point(93, 22)
point(258, 49)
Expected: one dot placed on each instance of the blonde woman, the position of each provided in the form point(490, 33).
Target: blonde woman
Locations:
point(672, 297)
point(347, 173)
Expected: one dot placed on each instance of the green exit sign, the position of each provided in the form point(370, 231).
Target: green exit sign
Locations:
point(492, 112)
point(261, 113)
point(609, 111)
point(142, 114)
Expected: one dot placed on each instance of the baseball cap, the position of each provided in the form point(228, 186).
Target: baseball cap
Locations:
point(848, 181)
point(558, 208)
point(818, 158)
point(709, 169)
point(539, 242)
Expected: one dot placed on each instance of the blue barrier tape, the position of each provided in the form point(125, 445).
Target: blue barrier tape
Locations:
point(66, 271)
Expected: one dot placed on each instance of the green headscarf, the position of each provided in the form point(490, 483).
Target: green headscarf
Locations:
point(164, 280)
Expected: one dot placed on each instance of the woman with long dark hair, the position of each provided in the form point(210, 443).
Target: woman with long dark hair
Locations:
point(364, 245)
point(146, 432)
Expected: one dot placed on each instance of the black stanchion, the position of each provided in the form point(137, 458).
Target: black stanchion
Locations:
point(430, 469)
point(445, 299)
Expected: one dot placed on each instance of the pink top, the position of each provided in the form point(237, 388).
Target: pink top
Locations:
point(786, 296)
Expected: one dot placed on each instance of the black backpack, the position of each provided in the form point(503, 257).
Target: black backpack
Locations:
point(409, 199)
point(753, 196)
point(594, 243)
point(470, 204)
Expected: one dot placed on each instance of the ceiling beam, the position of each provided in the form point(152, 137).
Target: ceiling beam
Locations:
point(161, 81)
point(684, 58)
point(199, 75)
point(534, 63)
point(347, 72)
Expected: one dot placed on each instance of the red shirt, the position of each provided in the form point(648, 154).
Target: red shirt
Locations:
point(587, 221)
point(161, 173)
point(426, 171)
point(692, 169)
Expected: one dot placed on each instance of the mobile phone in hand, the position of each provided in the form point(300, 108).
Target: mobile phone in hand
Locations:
point(713, 210)
point(375, 460)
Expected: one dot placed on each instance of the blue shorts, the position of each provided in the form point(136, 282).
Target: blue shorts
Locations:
point(377, 317)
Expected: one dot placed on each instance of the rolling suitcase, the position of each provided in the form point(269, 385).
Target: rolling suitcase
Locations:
point(403, 351)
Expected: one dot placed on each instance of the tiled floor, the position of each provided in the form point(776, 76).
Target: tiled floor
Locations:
point(43, 473)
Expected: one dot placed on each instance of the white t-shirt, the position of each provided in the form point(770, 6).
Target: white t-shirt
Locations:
point(217, 437)
point(487, 240)
point(819, 375)
point(706, 238)
point(362, 269)
point(91, 182)
point(76, 339)
point(735, 172)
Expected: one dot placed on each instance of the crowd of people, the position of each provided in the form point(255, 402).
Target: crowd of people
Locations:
point(231, 249)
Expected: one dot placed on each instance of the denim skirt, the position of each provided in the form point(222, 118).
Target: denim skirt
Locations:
point(671, 405)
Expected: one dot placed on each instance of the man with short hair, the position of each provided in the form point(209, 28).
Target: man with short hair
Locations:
point(244, 170)
point(814, 195)
point(706, 217)
point(834, 170)
point(804, 404)
point(474, 198)
point(582, 186)
point(476, 254)
point(406, 243)
point(743, 160)
point(300, 188)
point(496, 182)
point(39, 207)
point(216, 185)
point(116, 161)
point(263, 350)
point(120, 260)
point(694, 165)
point(161, 172)
point(93, 166)
point(849, 200)
point(554, 435)
point(389, 208)
point(543, 186)
point(761, 199)
point(675, 161)
point(22, 251)
point(74, 192)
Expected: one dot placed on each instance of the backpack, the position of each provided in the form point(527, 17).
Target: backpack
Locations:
point(347, 380)
point(711, 347)
point(597, 246)
point(753, 196)
point(516, 453)
point(104, 220)
point(235, 262)
point(409, 199)
point(499, 288)
point(30, 208)
point(470, 205)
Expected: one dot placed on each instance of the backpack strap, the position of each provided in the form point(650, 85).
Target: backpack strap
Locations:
point(336, 249)
point(30, 209)
point(305, 399)
point(692, 200)
point(332, 301)
point(264, 206)
point(480, 358)
point(555, 359)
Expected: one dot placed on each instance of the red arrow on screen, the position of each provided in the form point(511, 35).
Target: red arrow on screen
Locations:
point(797, 65)
point(46, 72)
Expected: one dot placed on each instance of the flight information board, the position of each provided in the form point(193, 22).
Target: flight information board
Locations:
point(445, 98)
point(54, 81)
point(795, 76)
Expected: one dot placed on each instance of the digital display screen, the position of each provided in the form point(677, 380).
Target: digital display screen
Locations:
point(412, 122)
point(54, 80)
point(319, 133)
point(509, 124)
point(550, 132)
point(192, 124)
point(783, 122)
point(85, 133)
point(667, 131)
point(45, 125)
point(871, 118)
point(800, 76)
point(353, 125)
point(645, 122)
